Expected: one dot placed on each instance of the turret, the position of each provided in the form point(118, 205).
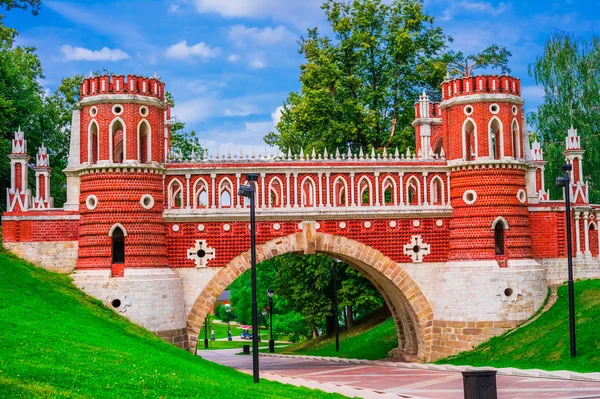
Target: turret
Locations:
point(574, 156)
point(427, 123)
point(537, 156)
point(123, 142)
point(482, 125)
point(18, 196)
point(42, 169)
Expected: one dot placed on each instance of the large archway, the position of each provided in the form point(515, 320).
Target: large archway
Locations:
point(411, 310)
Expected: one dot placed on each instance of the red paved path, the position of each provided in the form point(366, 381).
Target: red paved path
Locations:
point(405, 383)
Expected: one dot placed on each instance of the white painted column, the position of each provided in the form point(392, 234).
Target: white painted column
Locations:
point(401, 174)
point(577, 237)
point(287, 183)
point(187, 194)
point(327, 178)
point(212, 184)
point(377, 203)
point(425, 190)
point(262, 188)
point(320, 189)
point(586, 233)
point(295, 190)
point(238, 200)
point(352, 203)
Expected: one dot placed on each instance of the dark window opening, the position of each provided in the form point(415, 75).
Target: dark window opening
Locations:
point(499, 238)
point(118, 246)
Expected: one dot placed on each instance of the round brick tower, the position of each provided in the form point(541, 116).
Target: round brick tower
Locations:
point(118, 173)
point(482, 133)
point(122, 126)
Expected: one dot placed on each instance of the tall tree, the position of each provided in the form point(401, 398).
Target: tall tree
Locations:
point(567, 70)
point(495, 56)
point(182, 142)
point(359, 87)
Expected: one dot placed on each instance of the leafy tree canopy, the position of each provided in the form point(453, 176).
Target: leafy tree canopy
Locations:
point(567, 70)
point(22, 4)
point(495, 56)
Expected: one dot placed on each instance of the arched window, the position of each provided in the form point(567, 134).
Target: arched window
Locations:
point(175, 194)
point(340, 192)
point(144, 154)
point(200, 193)
point(437, 149)
point(469, 140)
point(308, 192)
point(117, 135)
point(495, 139)
point(389, 191)
point(436, 192)
point(499, 238)
point(516, 140)
point(118, 245)
point(275, 193)
point(93, 144)
point(365, 194)
point(225, 193)
point(413, 191)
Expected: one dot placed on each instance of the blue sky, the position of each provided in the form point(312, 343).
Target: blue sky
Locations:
point(231, 63)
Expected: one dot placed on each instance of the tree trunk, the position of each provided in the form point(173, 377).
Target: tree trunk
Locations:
point(349, 318)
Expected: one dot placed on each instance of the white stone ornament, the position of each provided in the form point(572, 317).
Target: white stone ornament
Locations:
point(393, 223)
point(226, 227)
point(342, 225)
point(416, 249)
point(201, 253)
point(175, 227)
point(368, 224)
point(200, 227)
point(439, 222)
point(276, 226)
point(416, 223)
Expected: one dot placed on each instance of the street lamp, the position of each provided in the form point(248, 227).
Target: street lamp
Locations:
point(335, 305)
point(228, 310)
point(565, 182)
point(206, 332)
point(270, 294)
point(247, 191)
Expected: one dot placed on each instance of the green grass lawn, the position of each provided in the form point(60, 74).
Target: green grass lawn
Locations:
point(55, 342)
point(544, 343)
point(363, 342)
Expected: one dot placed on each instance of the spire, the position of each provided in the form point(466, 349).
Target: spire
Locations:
point(337, 153)
point(314, 154)
point(360, 153)
point(349, 153)
point(537, 154)
point(289, 155)
point(301, 153)
point(372, 152)
point(573, 140)
point(325, 155)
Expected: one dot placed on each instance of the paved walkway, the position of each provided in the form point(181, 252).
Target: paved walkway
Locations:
point(387, 381)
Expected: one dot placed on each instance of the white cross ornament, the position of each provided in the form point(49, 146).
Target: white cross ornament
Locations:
point(200, 253)
point(416, 249)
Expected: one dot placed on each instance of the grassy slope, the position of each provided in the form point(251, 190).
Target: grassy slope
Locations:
point(57, 342)
point(363, 342)
point(544, 343)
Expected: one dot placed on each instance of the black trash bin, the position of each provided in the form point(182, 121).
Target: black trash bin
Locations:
point(246, 349)
point(480, 384)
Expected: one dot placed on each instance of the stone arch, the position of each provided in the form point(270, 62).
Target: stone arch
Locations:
point(500, 219)
point(413, 188)
point(93, 142)
point(117, 141)
point(308, 192)
point(389, 184)
point(225, 193)
point(114, 227)
point(516, 139)
point(340, 195)
point(469, 135)
point(365, 186)
point(436, 191)
point(144, 141)
point(200, 191)
point(275, 191)
point(411, 311)
point(496, 138)
point(174, 190)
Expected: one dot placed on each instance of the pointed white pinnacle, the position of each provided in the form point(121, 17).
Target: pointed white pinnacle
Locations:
point(314, 154)
point(349, 155)
point(407, 152)
point(301, 153)
point(289, 156)
point(337, 153)
point(396, 153)
point(325, 155)
point(360, 153)
point(372, 152)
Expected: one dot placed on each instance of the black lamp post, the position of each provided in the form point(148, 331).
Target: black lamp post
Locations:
point(247, 191)
point(206, 332)
point(565, 182)
point(335, 305)
point(228, 310)
point(270, 294)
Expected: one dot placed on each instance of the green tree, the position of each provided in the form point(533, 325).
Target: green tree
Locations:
point(22, 4)
point(567, 70)
point(182, 142)
point(359, 87)
point(495, 56)
point(357, 295)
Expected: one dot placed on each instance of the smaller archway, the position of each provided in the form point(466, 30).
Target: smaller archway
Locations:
point(340, 192)
point(225, 193)
point(117, 233)
point(308, 194)
point(413, 191)
point(436, 191)
point(200, 193)
point(496, 139)
point(388, 188)
point(144, 142)
point(439, 145)
point(117, 141)
point(516, 140)
point(469, 141)
point(500, 225)
point(93, 143)
point(365, 192)
point(275, 193)
point(175, 191)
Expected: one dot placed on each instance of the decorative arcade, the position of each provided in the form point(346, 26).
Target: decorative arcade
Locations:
point(459, 235)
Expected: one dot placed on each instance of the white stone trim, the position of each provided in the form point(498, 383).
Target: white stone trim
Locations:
point(466, 111)
point(482, 98)
point(143, 201)
point(522, 196)
point(494, 105)
point(468, 193)
point(111, 155)
point(115, 112)
point(122, 98)
point(464, 139)
point(500, 219)
point(113, 228)
point(499, 142)
point(91, 202)
point(49, 217)
point(142, 108)
point(93, 111)
point(148, 141)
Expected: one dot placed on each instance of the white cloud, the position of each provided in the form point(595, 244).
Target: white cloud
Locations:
point(299, 13)
point(233, 58)
point(480, 7)
point(182, 51)
point(71, 53)
point(174, 8)
point(242, 35)
point(257, 63)
point(276, 115)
